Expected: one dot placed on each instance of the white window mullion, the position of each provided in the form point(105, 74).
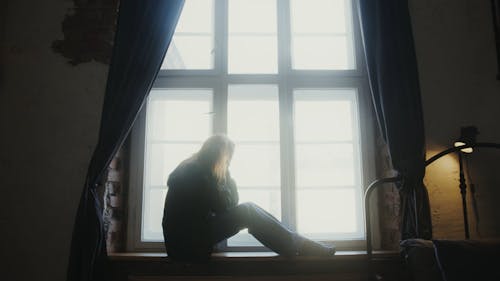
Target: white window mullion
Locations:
point(350, 5)
point(284, 56)
point(356, 40)
point(220, 86)
point(357, 157)
point(220, 108)
point(286, 126)
point(221, 36)
point(287, 157)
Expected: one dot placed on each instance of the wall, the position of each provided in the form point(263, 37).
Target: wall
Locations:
point(49, 116)
point(457, 64)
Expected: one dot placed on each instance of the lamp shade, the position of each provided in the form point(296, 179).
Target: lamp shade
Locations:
point(467, 137)
point(466, 150)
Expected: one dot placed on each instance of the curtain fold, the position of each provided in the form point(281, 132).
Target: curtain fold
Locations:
point(144, 31)
point(393, 76)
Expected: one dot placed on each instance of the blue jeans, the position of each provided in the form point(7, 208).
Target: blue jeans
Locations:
point(261, 224)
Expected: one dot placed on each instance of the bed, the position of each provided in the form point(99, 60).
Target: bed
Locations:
point(452, 260)
point(445, 260)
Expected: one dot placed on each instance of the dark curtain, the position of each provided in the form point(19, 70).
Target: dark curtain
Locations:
point(143, 34)
point(393, 76)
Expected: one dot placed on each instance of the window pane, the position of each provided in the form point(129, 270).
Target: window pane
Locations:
point(179, 115)
point(324, 115)
point(253, 112)
point(320, 52)
point(192, 44)
point(178, 121)
point(252, 54)
point(327, 213)
point(247, 16)
point(319, 16)
point(153, 214)
point(164, 158)
point(256, 165)
point(324, 165)
point(252, 42)
point(253, 124)
point(189, 52)
point(322, 35)
point(196, 17)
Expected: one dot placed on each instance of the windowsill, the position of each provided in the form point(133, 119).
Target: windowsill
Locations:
point(339, 255)
point(345, 265)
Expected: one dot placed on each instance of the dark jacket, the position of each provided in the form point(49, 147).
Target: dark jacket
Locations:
point(193, 195)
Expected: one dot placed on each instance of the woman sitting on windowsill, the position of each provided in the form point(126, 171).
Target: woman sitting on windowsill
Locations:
point(201, 209)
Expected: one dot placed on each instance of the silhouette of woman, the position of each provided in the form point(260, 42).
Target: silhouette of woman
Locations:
point(201, 209)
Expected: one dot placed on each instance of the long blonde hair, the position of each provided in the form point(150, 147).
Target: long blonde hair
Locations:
point(215, 154)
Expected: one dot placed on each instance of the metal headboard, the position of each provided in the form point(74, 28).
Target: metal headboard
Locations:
point(398, 179)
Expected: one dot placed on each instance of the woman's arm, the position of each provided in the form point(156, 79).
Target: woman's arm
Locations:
point(226, 196)
point(232, 191)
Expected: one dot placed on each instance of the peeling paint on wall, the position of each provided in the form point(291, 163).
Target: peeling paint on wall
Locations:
point(89, 30)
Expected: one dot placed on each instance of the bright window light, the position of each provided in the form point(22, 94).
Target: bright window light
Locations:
point(193, 41)
point(280, 78)
point(252, 42)
point(168, 142)
point(253, 124)
point(325, 212)
point(327, 166)
point(322, 35)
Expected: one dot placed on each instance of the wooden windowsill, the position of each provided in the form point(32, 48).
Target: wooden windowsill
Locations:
point(340, 255)
point(251, 266)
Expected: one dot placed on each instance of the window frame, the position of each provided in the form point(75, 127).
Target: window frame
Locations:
point(287, 80)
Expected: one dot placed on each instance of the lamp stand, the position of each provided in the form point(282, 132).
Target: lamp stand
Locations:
point(463, 192)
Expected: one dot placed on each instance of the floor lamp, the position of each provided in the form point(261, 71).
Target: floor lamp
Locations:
point(465, 144)
point(467, 137)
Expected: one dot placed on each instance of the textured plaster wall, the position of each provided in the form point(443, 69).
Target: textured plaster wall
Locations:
point(457, 64)
point(49, 118)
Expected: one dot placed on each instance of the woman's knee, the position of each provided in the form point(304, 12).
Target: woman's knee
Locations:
point(249, 207)
point(248, 210)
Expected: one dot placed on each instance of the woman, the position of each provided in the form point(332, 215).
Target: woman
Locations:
point(201, 209)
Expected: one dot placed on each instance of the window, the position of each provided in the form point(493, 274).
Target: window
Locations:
point(284, 80)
